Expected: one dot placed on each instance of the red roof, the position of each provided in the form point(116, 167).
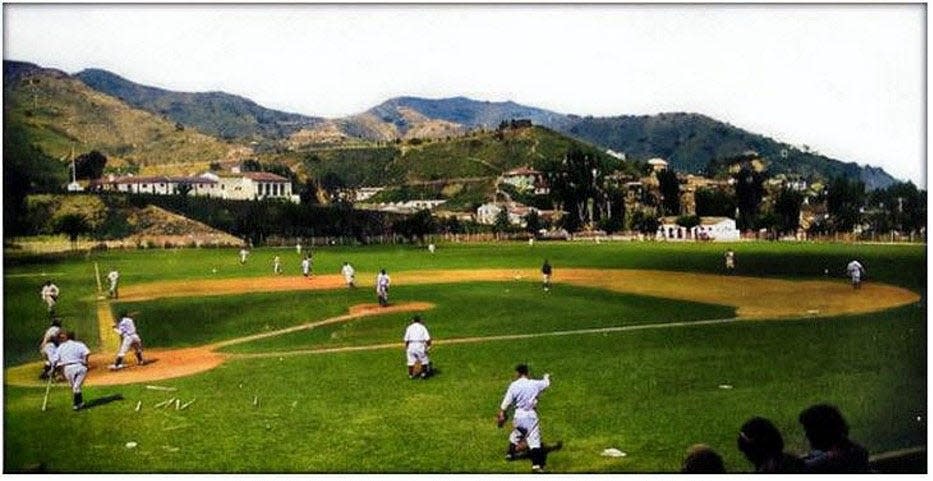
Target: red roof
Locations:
point(264, 176)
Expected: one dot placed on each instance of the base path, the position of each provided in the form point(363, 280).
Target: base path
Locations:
point(753, 298)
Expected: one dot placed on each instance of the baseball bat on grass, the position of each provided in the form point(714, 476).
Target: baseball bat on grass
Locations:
point(48, 387)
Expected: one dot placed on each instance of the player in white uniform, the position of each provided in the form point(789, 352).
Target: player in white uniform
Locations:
point(243, 254)
point(546, 271)
point(730, 261)
point(382, 288)
point(417, 344)
point(298, 248)
point(48, 346)
point(431, 247)
point(50, 295)
point(855, 271)
point(349, 274)
point(523, 395)
point(276, 265)
point(72, 358)
point(126, 328)
point(114, 277)
point(306, 266)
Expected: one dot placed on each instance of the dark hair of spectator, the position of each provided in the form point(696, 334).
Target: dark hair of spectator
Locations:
point(760, 440)
point(701, 459)
point(824, 425)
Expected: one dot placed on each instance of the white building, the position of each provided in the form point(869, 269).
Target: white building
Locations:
point(657, 164)
point(525, 180)
point(618, 155)
point(244, 186)
point(486, 213)
point(710, 228)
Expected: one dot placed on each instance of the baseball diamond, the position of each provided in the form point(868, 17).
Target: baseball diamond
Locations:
point(638, 351)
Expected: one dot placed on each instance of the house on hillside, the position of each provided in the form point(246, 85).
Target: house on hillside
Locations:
point(525, 179)
point(487, 213)
point(710, 228)
point(156, 185)
point(657, 164)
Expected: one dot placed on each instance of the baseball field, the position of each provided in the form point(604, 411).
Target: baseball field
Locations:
point(651, 348)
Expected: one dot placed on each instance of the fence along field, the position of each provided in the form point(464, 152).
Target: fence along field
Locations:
point(610, 387)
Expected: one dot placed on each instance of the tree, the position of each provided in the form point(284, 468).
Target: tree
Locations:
point(844, 201)
point(670, 191)
point(645, 222)
point(688, 221)
point(26, 170)
point(72, 225)
point(532, 222)
point(714, 203)
point(332, 184)
point(749, 190)
point(90, 165)
point(787, 211)
point(502, 223)
point(577, 182)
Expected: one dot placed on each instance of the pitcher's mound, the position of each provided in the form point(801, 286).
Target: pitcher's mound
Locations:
point(364, 309)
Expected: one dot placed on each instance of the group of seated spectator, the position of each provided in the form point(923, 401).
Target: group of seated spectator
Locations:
point(759, 440)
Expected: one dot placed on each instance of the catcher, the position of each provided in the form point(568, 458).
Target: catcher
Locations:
point(126, 328)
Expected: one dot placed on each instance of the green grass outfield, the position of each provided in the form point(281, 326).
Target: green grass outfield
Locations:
point(650, 393)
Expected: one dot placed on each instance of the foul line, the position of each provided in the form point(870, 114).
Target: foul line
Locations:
point(503, 337)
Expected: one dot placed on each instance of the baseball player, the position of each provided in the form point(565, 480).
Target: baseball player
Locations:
point(126, 328)
point(243, 254)
point(431, 247)
point(114, 277)
point(730, 261)
point(382, 288)
point(49, 294)
point(276, 265)
point(48, 346)
point(349, 274)
point(306, 266)
point(298, 248)
point(546, 275)
point(855, 271)
point(417, 344)
point(72, 358)
point(523, 395)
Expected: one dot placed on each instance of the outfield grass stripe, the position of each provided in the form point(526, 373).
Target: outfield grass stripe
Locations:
point(364, 311)
point(504, 337)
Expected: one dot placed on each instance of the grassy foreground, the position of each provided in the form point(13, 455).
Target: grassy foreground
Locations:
point(649, 393)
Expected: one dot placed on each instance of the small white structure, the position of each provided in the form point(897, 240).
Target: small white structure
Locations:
point(657, 164)
point(710, 228)
point(525, 179)
point(618, 155)
point(365, 193)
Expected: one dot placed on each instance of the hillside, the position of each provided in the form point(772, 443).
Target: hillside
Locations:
point(57, 112)
point(214, 113)
point(62, 109)
point(691, 141)
point(463, 166)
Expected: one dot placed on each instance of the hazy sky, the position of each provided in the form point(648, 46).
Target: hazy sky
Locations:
point(849, 81)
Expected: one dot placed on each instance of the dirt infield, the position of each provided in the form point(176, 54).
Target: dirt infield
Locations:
point(753, 298)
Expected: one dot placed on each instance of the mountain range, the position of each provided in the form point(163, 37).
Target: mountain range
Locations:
point(690, 142)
